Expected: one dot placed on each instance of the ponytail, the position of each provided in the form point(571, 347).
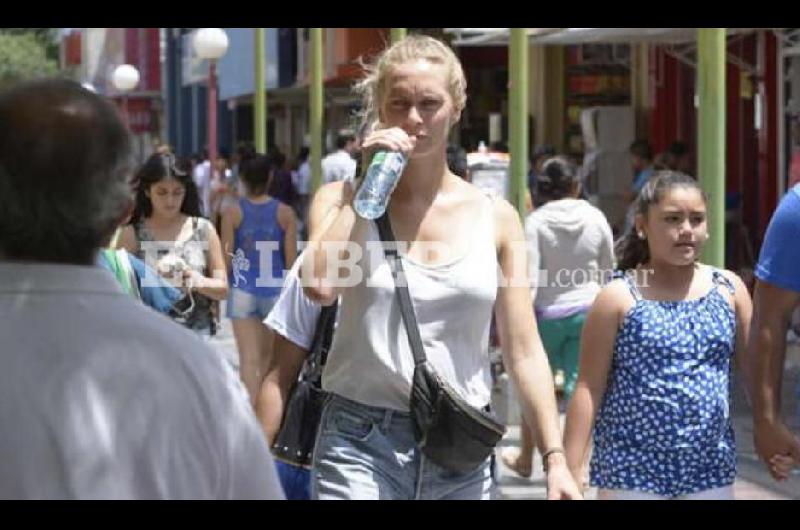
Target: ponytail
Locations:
point(556, 180)
point(631, 250)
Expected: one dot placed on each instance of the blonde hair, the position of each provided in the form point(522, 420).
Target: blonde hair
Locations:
point(371, 87)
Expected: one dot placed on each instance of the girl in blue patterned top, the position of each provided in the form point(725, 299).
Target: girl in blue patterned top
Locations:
point(656, 359)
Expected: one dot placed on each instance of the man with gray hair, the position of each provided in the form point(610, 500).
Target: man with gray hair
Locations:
point(100, 397)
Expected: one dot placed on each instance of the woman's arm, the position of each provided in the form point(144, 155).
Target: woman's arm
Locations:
point(597, 346)
point(214, 286)
point(773, 307)
point(288, 222)
point(743, 305)
point(534, 255)
point(231, 219)
point(331, 220)
point(523, 353)
point(284, 366)
point(127, 240)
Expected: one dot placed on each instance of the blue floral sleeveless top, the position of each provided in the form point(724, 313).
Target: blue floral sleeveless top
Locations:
point(664, 426)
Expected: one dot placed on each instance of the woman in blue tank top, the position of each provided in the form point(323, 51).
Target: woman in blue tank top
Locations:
point(259, 235)
point(655, 373)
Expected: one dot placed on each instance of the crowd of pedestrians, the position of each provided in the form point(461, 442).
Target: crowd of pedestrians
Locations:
point(112, 280)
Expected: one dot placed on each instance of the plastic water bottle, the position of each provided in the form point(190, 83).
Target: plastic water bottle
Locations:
point(380, 181)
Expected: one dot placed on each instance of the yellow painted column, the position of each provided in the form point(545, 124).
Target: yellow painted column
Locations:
point(711, 136)
point(316, 107)
point(260, 94)
point(518, 117)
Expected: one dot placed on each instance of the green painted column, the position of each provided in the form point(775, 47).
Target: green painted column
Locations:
point(398, 34)
point(711, 136)
point(518, 117)
point(260, 94)
point(316, 108)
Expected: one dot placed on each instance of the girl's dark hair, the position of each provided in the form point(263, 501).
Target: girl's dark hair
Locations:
point(256, 173)
point(556, 181)
point(630, 249)
point(157, 168)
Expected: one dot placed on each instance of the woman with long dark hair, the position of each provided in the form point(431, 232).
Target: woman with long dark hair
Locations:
point(168, 233)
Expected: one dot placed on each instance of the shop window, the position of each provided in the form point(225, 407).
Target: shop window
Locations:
point(595, 75)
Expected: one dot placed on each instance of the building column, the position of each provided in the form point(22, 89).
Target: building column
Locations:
point(537, 101)
point(398, 34)
point(316, 108)
point(711, 46)
point(518, 117)
point(640, 87)
point(260, 94)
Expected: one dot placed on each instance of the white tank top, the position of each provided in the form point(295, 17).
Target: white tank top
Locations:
point(370, 361)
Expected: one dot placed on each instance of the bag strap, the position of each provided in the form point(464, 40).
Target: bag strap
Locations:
point(320, 344)
point(401, 290)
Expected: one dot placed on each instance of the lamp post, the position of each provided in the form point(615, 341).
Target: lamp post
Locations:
point(211, 44)
point(124, 79)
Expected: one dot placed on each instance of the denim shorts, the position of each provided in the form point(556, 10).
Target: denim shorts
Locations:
point(365, 452)
point(242, 304)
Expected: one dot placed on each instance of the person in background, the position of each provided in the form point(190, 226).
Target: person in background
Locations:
point(201, 175)
point(293, 320)
point(681, 158)
point(642, 164)
point(457, 161)
point(167, 232)
point(777, 295)
point(100, 397)
point(301, 179)
point(570, 258)
point(541, 153)
point(281, 186)
point(340, 165)
point(643, 167)
point(258, 224)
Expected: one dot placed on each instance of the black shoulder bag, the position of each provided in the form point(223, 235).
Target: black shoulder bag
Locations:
point(294, 443)
point(450, 432)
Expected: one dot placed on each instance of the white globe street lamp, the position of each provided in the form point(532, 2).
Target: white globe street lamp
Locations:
point(124, 79)
point(211, 44)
